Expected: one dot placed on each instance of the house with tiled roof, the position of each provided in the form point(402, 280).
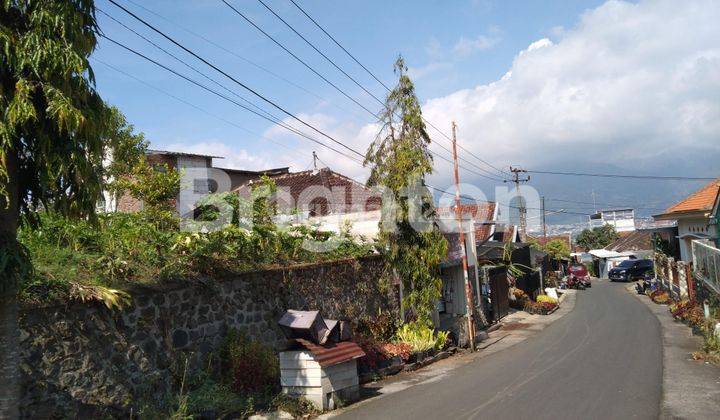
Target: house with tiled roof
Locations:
point(319, 192)
point(694, 216)
point(543, 240)
point(326, 198)
point(483, 216)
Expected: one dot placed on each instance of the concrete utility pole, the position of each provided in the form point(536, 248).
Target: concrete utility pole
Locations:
point(523, 211)
point(543, 220)
point(463, 251)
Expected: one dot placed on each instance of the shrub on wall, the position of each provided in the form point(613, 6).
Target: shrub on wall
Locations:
point(148, 247)
point(248, 366)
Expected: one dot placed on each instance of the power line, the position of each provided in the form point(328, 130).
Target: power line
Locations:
point(606, 204)
point(287, 50)
point(233, 53)
point(200, 85)
point(190, 104)
point(320, 52)
point(650, 177)
point(386, 86)
point(176, 58)
point(244, 86)
point(339, 45)
point(329, 60)
point(300, 60)
point(271, 119)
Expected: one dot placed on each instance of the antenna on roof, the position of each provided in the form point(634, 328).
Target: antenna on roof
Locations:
point(315, 159)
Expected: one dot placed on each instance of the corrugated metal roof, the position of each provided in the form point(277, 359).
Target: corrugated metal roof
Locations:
point(332, 354)
point(171, 153)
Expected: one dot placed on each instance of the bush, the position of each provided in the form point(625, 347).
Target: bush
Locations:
point(218, 399)
point(546, 299)
point(381, 327)
point(421, 337)
point(398, 349)
point(688, 311)
point(660, 297)
point(119, 249)
point(521, 298)
point(299, 407)
point(248, 366)
point(539, 308)
point(374, 352)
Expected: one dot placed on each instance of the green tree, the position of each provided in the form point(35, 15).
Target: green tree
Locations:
point(124, 152)
point(52, 137)
point(598, 237)
point(557, 249)
point(399, 160)
point(156, 186)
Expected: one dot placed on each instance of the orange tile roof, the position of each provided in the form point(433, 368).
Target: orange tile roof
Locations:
point(701, 200)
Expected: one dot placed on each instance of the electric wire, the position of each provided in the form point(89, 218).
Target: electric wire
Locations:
point(190, 104)
point(648, 177)
point(200, 85)
point(329, 60)
point(244, 86)
point(300, 60)
point(503, 172)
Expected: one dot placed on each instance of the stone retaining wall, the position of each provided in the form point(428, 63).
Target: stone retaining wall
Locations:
point(81, 360)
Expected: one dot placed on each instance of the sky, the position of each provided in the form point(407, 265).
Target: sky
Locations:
point(582, 86)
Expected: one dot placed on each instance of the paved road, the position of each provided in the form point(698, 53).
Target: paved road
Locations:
point(603, 360)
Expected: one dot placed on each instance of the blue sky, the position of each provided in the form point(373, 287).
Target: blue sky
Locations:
point(605, 86)
point(374, 31)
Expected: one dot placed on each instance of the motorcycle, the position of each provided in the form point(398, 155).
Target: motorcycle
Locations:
point(646, 284)
point(574, 282)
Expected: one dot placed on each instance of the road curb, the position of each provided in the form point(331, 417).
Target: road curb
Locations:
point(690, 389)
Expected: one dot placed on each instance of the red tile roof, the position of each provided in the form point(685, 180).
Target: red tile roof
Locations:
point(701, 200)
point(346, 194)
point(482, 213)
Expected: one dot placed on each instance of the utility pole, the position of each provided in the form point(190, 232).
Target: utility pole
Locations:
point(523, 211)
point(315, 159)
point(543, 221)
point(463, 251)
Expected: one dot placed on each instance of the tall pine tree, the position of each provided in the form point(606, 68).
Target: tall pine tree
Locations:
point(399, 159)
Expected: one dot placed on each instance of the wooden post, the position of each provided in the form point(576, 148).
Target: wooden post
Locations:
point(690, 281)
point(463, 251)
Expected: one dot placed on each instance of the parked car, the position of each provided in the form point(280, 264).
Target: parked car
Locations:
point(579, 272)
point(630, 270)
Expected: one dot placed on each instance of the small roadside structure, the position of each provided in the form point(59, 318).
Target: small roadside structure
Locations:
point(606, 260)
point(319, 363)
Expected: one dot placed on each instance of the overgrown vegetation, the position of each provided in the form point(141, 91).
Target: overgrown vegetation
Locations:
point(118, 250)
point(399, 159)
point(241, 379)
point(248, 366)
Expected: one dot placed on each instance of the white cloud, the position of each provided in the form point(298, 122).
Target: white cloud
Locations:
point(631, 85)
point(355, 136)
point(630, 80)
point(466, 46)
point(233, 158)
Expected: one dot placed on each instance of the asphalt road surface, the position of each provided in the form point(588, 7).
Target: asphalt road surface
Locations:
point(603, 360)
